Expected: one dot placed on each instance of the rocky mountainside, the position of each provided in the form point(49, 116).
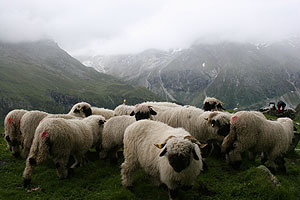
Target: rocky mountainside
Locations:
point(243, 75)
point(40, 75)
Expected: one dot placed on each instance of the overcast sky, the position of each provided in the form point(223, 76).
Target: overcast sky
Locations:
point(128, 26)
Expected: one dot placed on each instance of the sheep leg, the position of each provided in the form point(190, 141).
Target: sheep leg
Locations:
point(61, 167)
point(234, 157)
point(173, 193)
point(127, 170)
point(30, 163)
point(252, 155)
point(76, 163)
point(281, 164)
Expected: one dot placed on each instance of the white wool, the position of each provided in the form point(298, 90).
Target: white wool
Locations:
point(139, 150)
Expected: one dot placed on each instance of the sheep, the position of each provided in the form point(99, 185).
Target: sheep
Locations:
point(81, 109)
point(177, 165)
point(251, 131)
point(106, 113)
point(193, 120)
point(114, 128)
point(123, 110)
point(61, 138)
point(212, 104)
point(12, 133)
point(32, 119)
point(165, 104)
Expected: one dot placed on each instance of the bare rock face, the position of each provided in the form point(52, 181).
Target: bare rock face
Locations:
point(273, 179)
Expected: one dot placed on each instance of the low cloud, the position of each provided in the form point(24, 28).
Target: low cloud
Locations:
point(129, 26)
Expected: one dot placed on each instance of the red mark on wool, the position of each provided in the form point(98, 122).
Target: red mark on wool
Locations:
point(44, 134)
point(10, 120)
point(234, 118)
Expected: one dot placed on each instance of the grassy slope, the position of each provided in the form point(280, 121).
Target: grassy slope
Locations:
point(29, 80)
point(101, 180)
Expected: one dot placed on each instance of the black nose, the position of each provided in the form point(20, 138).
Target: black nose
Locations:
point(16, 154)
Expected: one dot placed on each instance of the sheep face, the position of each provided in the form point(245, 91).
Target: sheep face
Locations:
point(139, 115)
point(208, 107)
point(13, 145)
point(83, 109)
point(223, 128)
point(179, 153)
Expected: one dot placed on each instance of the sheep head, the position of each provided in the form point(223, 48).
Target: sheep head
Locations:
point(178, 151)
point(82, 109)
point(219, 121)
point(142, 112)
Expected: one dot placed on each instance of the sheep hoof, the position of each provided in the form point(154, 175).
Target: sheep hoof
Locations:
point(70, 172)
point(173, 193)
point(186, 187)
point(236, 164)
point(130, 188)
point(26, 182)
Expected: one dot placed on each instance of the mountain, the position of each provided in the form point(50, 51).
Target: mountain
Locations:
point(243, 75)
point(40, 75)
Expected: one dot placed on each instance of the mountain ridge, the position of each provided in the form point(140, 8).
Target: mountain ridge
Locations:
point(243, 75)
point(40, 75)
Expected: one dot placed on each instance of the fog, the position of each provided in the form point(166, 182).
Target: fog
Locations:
point(130, 26)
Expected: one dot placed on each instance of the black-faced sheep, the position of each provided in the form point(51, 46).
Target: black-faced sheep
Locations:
point(60, 138)
point(114, 128)
point(251, 131)
point(31, 120)
point(176, 165)
point(212, 104)
point(195, 121)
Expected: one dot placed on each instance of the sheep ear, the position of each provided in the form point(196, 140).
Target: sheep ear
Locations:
point(206, 118)
point(160, 146)
point(132, 113)
point(152, 112)
point(163, 152)
point(195, 155)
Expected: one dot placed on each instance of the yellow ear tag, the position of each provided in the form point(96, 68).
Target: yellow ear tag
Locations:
point(212, 125)
point(159, 146)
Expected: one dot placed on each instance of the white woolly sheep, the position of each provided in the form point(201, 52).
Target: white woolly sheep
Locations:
point(114, 128)
point(106, 113)
point(251, 131)
point(61, 138)
point(177, 165)
point(212, 104)
point(32, 119)
point(165, 104)
point(195, 121)
point(12, 133)
point(123, 110)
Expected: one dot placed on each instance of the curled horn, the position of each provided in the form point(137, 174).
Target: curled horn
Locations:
point(194, 140)
point(160, 146)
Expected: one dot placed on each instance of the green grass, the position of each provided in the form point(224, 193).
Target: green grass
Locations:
point(101, 180)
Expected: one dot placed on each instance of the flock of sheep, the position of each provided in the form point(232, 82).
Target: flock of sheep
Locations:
point(169, 141)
